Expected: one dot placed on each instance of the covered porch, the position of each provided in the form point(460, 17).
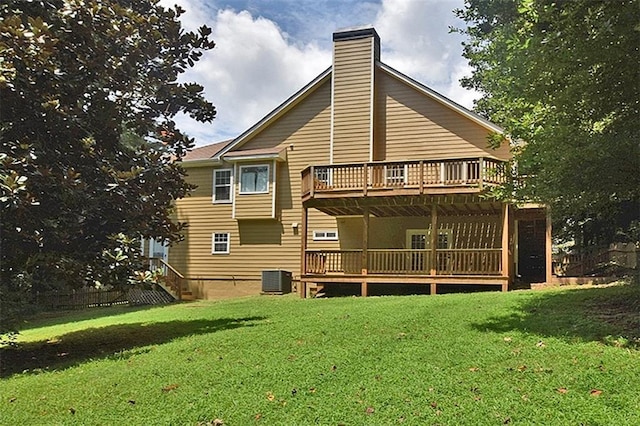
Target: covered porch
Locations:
point(389, 240)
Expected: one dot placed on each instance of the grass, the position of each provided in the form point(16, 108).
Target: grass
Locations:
point(550, 357)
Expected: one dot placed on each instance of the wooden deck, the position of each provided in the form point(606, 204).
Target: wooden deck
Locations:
point(404, 266)
point(393, 178)
point(420, 188)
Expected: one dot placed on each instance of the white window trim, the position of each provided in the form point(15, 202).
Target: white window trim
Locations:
point(213, 243)
point(321, 235)
point(273, 197)
point(329, 181)
point(267, 165)
point(230, 200)
point(405, 175)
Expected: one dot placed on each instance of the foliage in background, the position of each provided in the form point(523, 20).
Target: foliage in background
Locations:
point(89, 91)
point(563, 76)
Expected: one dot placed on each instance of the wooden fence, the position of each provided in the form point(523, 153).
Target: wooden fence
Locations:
point(81, 299)
point(596, 260)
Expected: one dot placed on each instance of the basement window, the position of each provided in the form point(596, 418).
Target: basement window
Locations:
point(325, 235)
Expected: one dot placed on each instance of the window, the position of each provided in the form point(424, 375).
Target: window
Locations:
point(254, 179)
point(323, 176)
point(222, 186)
point(325, 235)
point(395, 174)
point(220, 243)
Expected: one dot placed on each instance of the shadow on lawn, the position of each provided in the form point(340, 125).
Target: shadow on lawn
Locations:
point(610, 314)
point(104, 342)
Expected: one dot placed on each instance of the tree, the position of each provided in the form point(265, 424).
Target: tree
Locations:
point(564, 77)
point(88, 93)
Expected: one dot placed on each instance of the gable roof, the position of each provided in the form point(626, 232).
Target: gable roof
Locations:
point(274, 153)
point(205, 152)
point(309, 88)
point(215, 152)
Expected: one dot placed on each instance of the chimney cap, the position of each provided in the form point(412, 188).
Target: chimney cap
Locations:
point(353, 33)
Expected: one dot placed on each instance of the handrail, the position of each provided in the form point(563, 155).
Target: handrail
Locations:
point(173, 278)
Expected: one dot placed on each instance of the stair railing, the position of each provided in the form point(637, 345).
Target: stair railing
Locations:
point(172, 278)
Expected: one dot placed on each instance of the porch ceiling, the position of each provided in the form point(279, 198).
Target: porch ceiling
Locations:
point(454, 205)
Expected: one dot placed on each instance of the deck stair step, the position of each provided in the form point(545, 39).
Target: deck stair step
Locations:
point(172, 280)
point(315, 290)
point(188, 295)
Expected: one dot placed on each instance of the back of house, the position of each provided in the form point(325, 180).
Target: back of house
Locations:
point(343, 183)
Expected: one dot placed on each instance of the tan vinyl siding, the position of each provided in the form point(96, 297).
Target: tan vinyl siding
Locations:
point(191, 256)
point(260, 244)
point(411, 125)
point(352, 100)
point(254, 206)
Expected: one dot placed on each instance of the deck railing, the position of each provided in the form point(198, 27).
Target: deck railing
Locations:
point(469, 261)
point(334, 261)
point(405, 262)
point(403, 174)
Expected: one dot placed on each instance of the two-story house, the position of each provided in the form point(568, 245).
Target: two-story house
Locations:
point(363, 177)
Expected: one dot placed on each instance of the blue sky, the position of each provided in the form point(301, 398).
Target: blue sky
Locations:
point(267, 50)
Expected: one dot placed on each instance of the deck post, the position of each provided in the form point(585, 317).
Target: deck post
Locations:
point(505, 244)
point(303, 250)
point(434, 239)
point(421, 177)
point(365, 179)
point(548, 248)
point(312, 178)
point(365, 246)
point(482, 173)
point(433, 289)
point(512, 245)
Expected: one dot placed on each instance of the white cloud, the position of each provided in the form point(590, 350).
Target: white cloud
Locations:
point(254, 67)
point(257, 64)
point(416, 41)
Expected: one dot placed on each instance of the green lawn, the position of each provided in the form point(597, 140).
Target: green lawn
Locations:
point(548, 357)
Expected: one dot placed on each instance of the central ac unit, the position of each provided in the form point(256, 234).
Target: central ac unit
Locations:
point(277, 281)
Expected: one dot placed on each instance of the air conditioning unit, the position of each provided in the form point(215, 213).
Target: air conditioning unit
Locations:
point(276, 282)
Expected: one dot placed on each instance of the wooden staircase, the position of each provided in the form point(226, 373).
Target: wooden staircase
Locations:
point(172, 280)
point(314, 290)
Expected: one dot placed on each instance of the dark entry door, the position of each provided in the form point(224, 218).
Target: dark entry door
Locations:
point(531, 250)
